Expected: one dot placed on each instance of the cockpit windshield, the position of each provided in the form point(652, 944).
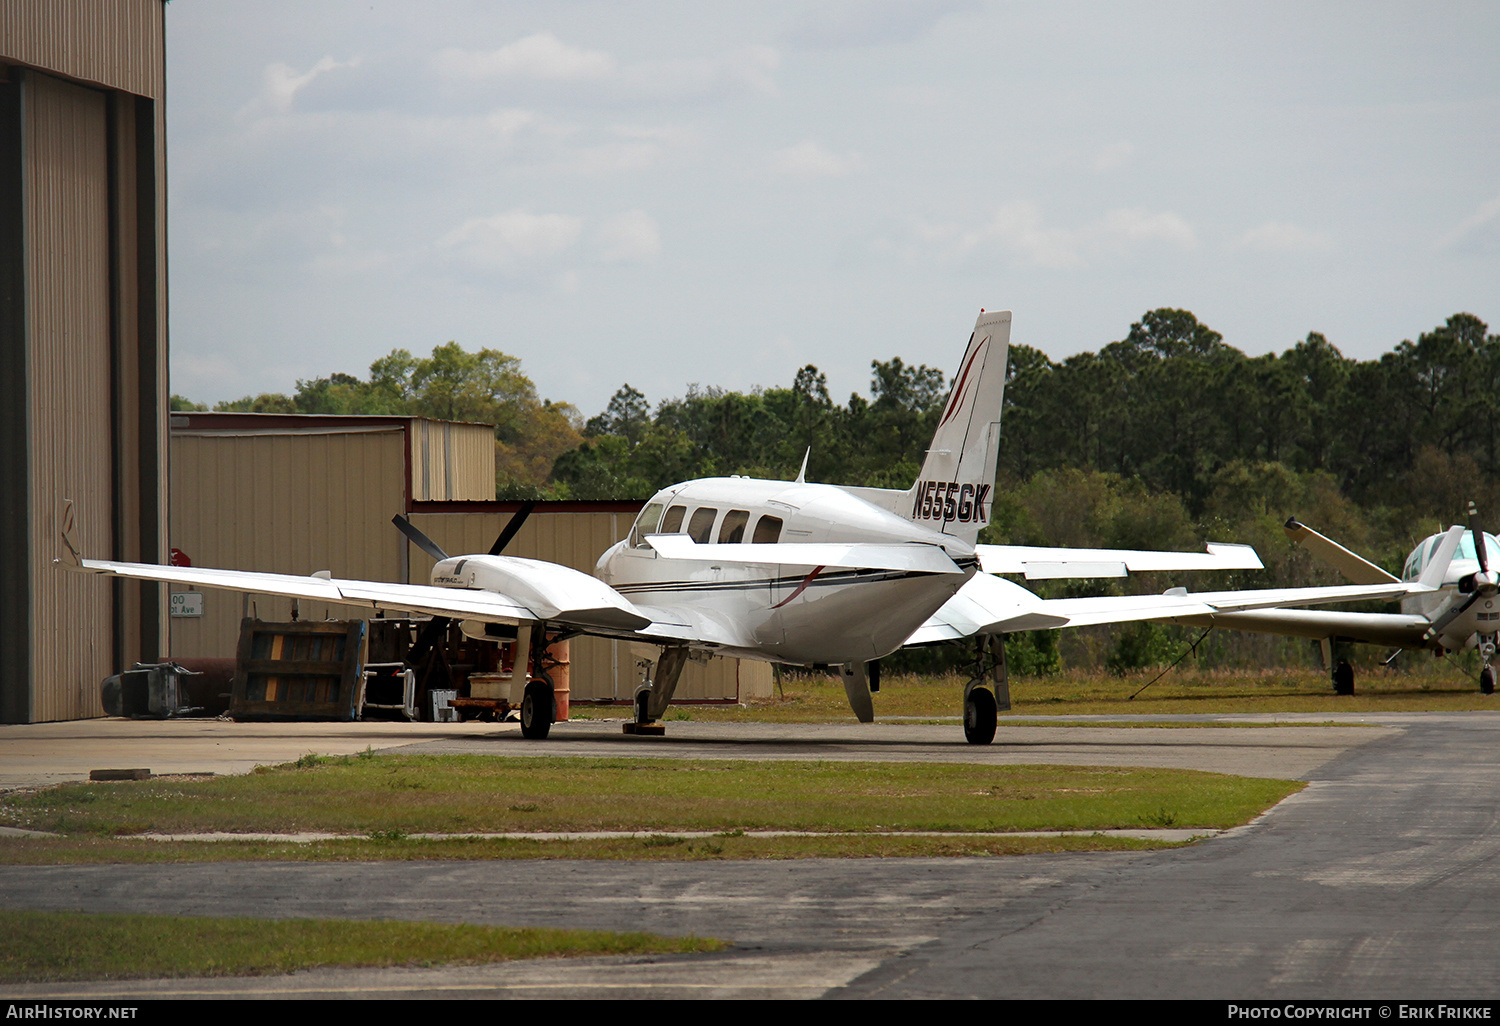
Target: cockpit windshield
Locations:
point(1422, 554)
point(1491, 549)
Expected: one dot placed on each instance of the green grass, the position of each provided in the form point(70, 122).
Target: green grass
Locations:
point(660, 848)
point(382, 801)
point(814, 699)
point(56, 946)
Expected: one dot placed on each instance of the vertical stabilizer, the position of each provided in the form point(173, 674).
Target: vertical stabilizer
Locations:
point(953, 492)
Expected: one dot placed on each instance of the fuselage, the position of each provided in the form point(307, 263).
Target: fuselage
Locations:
point(795, 612)
point(1482, 618)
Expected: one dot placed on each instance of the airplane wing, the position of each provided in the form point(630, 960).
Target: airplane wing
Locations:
point(1398, 630)
point(991, 605)
point(1039, 562)
point(693, 624)
point(586, 602)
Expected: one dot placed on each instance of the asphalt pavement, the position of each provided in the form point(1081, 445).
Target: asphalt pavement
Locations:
point(1376, 882)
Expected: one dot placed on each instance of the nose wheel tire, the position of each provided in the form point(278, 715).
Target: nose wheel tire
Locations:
point(536, 710)
point(979, 716)
point(1487, 680)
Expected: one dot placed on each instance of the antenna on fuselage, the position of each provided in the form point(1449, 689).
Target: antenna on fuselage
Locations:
point(802, 474)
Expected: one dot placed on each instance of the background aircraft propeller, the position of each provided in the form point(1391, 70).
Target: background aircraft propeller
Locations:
point(1482, 584)
point(419, 539)
point(438, 625)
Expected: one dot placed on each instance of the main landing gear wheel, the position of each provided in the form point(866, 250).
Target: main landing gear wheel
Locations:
point(642, 706)
point(1487, 680)
point(536, 710)
point(979, 716)
point(1343, 678)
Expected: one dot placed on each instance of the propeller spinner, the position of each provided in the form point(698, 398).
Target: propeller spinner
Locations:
point(1484, 583)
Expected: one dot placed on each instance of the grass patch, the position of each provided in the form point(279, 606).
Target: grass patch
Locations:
point(54, 946)
point(114, 850)
point(816, 699)
point(381, 801)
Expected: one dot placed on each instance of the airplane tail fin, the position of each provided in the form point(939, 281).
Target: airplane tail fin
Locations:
point(952, 493)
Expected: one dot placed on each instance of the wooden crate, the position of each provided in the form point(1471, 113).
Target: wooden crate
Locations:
point(304, 670)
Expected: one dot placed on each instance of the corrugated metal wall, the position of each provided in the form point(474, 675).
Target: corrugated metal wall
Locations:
point(451, 460)
point(113, 43)
point(66, 193)
point(288, 500)
point(283, 502)
point(82, 342)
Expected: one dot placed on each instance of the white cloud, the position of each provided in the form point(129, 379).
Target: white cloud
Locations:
point(1282, 237)
point(633, 235)
point(282, 83)
point(870, 22)
point(812, 160)
point(546, 59)
point(628, 148)
point(751, 67)
point(515, 241)
point(505, 123)
point(1113, 156)
point(1020, 231)
point(539, 56)
point(1121, 228)
point(1480, 230)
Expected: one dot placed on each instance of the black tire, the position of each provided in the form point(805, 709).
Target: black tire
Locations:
point(979, 716)
point(1487, 680)
point(1343, 678)
point(642, 704)
point(536, 710)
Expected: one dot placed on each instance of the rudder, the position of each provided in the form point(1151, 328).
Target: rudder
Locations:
point(952, 493)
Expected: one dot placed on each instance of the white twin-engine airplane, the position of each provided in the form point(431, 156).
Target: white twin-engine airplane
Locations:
point(798, 573)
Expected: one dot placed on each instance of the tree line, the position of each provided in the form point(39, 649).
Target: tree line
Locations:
point(1163, 439)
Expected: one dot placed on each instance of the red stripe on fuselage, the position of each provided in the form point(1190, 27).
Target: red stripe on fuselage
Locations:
point(800, 588)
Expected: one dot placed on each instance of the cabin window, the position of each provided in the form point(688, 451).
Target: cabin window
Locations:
point(672, 522)
point(767, 531)
point(732, 532)
point(701, 527)
point(645, 524)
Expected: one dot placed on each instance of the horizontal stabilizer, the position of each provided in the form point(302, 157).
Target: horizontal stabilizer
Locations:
point(1039, 562)
point(1355, 568)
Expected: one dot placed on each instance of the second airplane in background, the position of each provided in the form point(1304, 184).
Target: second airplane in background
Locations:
point(1462, 613)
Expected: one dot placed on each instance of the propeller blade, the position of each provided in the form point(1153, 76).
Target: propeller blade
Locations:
point(516, 520)
point(1442, 622)
point(418, 539)
point(1478, 532)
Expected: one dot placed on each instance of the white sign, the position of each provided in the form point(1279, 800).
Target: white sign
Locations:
point(187, 603)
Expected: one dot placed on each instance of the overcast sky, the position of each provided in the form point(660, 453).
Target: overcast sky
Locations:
point(674, 192)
